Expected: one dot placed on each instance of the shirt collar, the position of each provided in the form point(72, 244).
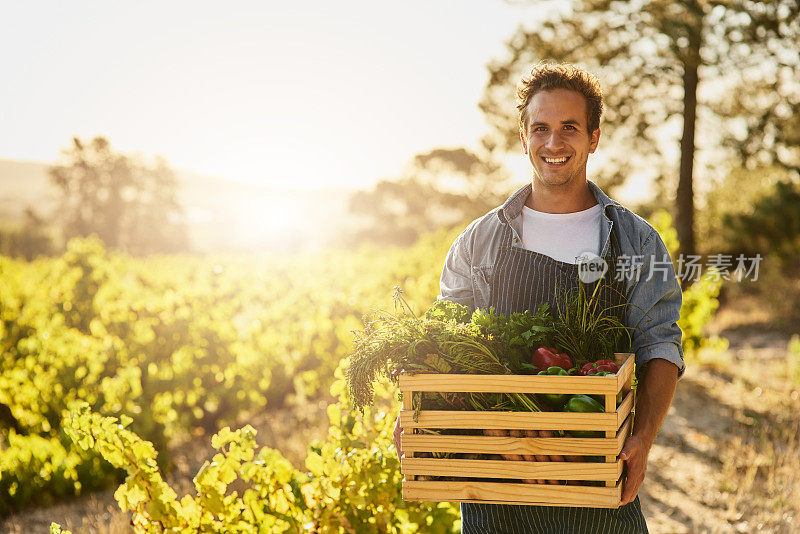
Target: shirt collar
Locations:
point(512, 207)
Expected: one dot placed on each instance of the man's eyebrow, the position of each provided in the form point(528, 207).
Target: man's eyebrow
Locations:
point(574, 122)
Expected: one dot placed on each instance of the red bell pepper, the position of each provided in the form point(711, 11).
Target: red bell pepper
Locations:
point(546, 357)
point(592, 368)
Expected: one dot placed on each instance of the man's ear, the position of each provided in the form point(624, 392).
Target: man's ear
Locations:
point(524, 143)
point(594, 141)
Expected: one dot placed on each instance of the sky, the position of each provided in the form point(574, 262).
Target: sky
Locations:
point(286, 94)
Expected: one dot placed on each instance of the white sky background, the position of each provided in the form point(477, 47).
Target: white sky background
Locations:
point(287, 94)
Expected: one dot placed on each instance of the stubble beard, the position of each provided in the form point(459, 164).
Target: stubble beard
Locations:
point(564, 182)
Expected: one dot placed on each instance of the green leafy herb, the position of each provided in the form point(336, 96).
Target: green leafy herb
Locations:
point(522, 333)
point(445, 310)
point(588, 328)
point(391, 344)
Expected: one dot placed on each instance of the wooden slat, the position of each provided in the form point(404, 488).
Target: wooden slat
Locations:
point(407, 405)
point(623, 433)
point(589, 385)
point(498, 492)
point(624, 408)
point(610, 406)
point(610, 402)
point(511, 445)
point(512, 420)
point(512, 469)
point(560, 505)
point(625, 372)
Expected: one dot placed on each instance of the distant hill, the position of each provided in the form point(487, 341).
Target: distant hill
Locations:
point(23, 184)
point(223, 215)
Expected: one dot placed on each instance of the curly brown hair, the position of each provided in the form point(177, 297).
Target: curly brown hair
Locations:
point(549, 76)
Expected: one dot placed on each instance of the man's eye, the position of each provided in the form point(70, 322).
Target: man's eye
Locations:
point(569, 127)
point(539, 129)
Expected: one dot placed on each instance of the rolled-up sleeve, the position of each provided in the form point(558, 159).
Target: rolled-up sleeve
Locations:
point(655, 306)
point(456, 282)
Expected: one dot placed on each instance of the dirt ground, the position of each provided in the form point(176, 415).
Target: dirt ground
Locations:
point(727, 458)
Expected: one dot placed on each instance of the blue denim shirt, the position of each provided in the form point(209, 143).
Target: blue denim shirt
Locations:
point(654, 292)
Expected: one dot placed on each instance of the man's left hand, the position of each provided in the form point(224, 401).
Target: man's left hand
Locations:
point(634, 454)
point(654, 397)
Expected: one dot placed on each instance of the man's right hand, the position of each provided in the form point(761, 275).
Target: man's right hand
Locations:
point(398, 430)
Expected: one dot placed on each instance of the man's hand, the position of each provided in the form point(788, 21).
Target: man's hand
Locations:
point(652, 403)
point(398, 430)
point(634, 454)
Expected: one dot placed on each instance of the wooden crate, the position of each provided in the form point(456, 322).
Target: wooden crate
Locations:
point(617, 423)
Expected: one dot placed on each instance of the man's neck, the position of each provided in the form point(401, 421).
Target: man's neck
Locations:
point(561, 200)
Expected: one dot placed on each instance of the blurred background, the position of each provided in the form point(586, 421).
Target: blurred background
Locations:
point(272, 128)
point(198, 203)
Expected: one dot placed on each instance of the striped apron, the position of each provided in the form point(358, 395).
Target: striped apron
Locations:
point(522, 280)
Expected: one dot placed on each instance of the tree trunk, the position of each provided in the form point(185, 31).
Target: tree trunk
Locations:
point(684, 220)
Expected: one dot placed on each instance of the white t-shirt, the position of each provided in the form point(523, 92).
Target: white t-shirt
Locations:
point(562, 236)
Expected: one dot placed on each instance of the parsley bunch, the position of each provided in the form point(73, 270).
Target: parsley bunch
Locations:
point(449, 338)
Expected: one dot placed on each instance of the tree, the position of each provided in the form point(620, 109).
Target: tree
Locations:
point(129, 204)
point(441, 187)
point(772, 225)
point(726, 68)
point(31, 239)
point(734, 197)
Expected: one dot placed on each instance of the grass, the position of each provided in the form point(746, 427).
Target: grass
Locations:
point(760, 464)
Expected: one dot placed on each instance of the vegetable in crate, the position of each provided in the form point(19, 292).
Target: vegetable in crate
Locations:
point(521, 333)
point(445, 310)
point(592, 368)
point(555, 399)
point(584, 404)
point(545, 357)
point(586, 327)
point(441, 342)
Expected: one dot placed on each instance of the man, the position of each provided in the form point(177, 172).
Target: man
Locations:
point(511, 257)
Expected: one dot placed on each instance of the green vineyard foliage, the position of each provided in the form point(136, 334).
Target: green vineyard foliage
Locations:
point(106, 359)
point(700, 300)
point(175, 342)
point(351, 483)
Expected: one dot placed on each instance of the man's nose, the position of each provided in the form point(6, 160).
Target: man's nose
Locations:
point(554, 140)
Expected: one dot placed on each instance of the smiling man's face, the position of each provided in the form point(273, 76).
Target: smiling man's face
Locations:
point(557, 140)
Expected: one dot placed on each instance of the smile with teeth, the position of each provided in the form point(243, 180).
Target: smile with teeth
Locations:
point(556, 161)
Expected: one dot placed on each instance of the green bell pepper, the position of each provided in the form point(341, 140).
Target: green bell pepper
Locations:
point(584, 404)
point(555, 370)
point(555, 399)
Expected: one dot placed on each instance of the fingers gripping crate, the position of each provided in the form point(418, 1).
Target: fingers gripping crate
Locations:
point(500, 481)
